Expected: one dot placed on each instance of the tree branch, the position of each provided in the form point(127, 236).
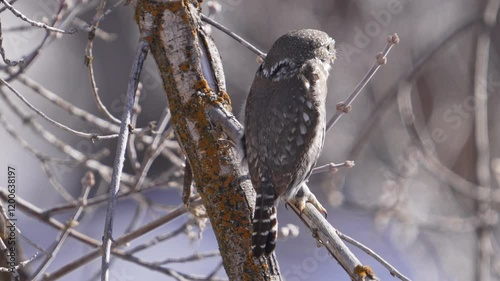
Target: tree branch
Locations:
point(193, 80)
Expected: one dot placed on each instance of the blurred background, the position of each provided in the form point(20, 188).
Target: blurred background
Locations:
point(424, 193)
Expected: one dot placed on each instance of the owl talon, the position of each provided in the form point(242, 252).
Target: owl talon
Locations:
point(286, 205)
point(305, 196)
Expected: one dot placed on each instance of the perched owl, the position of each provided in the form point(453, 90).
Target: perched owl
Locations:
point(285, 127)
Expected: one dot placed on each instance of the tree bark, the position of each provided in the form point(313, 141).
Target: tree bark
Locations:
point(193, 80)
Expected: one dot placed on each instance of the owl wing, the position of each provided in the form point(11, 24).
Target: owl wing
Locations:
point(283, 137)
point(289, 124)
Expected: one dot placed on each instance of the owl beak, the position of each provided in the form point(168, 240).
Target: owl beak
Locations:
point(334, 56)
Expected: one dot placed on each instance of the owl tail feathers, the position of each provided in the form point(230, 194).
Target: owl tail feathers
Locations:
point(265, 225)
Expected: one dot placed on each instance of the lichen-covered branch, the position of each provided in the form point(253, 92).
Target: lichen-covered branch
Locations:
point(193, 80)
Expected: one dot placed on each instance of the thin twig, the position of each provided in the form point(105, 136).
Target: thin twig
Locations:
point(15, 269)
point(2, 51)
point(89, 62)
point(103, 35)
point(234, 36)
point(80, 113)
point(131, 151)
point(394, 272)
point(35, 23)
point(5, 7)
point(158, 239)
point(332, 167)
point(430, 160)
point(5, 217)
point(381, 59)
point(102, 14)
point(48, 38)
point(89, 136)
point(67, 106)
point(193, 257)
point(88, 182)
point(95, 90)
point(141, 54)
point(35, 212)
point(326, 234)
point(483, 161)
point(180, 210)
point(214, 271)
point(153, 151)
point(103, 170)
point(55, 182)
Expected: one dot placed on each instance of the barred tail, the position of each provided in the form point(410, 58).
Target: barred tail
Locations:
point(265, 223)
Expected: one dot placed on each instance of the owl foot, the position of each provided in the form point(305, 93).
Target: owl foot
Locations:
point(304, 196)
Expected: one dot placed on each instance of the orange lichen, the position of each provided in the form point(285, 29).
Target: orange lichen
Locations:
point(265, 267)
point(202, 86)
point(363, 271)
point(174, 6)
point(369, 271)
point(188, 53)
point(226, 206)
point(184, 66)
point(225, 97)
point(185, 18)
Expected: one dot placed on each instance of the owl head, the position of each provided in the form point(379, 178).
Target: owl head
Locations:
point(299, 46)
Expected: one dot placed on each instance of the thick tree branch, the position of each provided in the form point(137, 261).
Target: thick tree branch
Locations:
point(193, 80)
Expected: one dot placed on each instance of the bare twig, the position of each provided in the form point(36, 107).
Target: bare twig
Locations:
point(67, 106)
point(153, 151)
point(96, 166)
point(394, 272)
point(131, 151)
point(89, 59)
point(87, 182)
point(142, 51)
point(381, 59)
point(49, 37)
point(5, 7)
point(18, 266)
point(234, 36)
point(2, 51)
point(120, 241)
point(103, 35)
point(35, 23)
point(326, 234)
point(193, 257)
point(101, 14)
point(33, 211)
point(89, 136)
point(484, 231)
point(55, 182)
point(95, 90)
point(332, 167)
point(158, 239)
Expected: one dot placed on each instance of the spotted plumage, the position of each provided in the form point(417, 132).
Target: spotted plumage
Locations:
point(285, 126)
